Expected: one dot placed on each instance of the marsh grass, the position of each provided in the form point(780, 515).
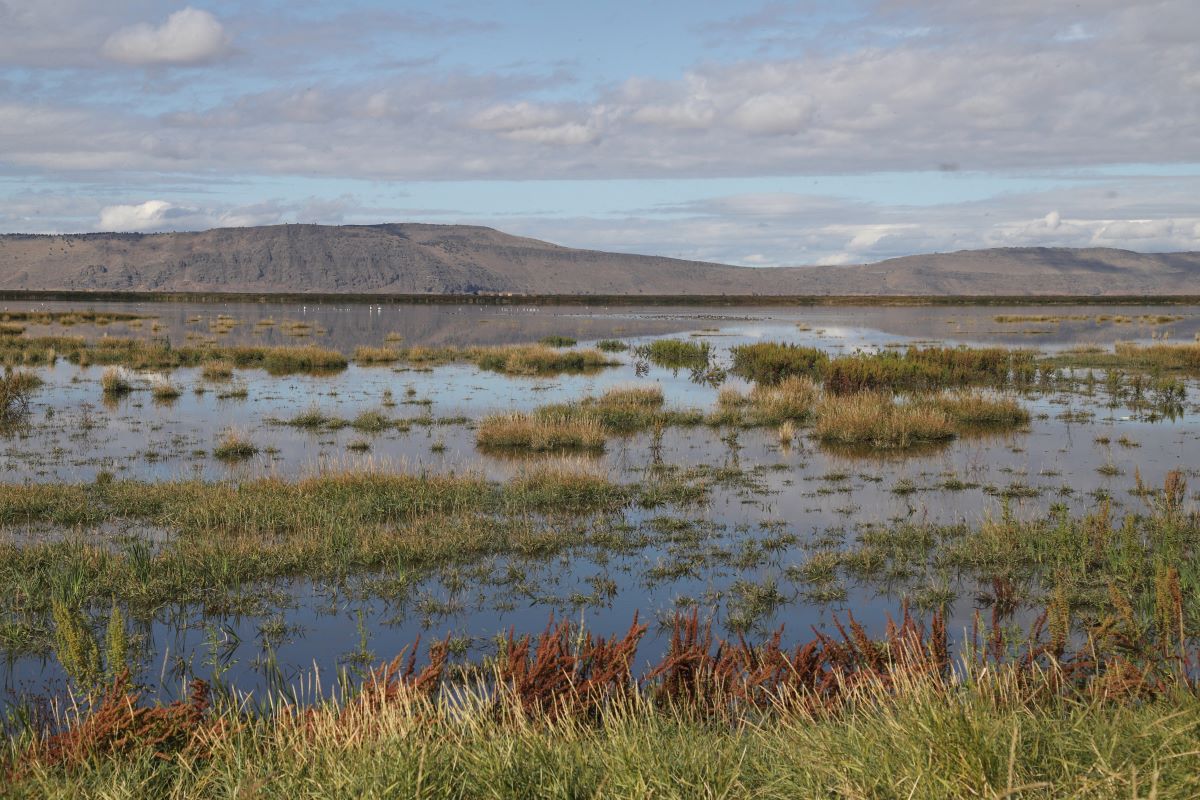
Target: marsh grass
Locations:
point(163, 389)
point(557, 341)
point(974, 408)
point(875, 419)
point(217, 371)
point(235, 446)
point(540, 360)
point(116, 382)
point(772, 362)
point(376, 355)
point(542, 431)
point(675, 353)
point(16, 390)
point(1183, 357)
point(227, 536)
point(929, 369)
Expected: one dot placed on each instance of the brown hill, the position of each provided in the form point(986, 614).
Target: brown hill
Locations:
point(453, 259)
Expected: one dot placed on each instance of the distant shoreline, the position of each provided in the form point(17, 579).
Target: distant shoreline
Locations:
point(13, 295)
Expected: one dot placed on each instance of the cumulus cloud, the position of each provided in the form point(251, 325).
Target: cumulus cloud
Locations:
point(189, 36)
point(150, 215)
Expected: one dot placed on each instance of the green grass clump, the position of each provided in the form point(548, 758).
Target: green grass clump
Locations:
point(875, 420)
point(235, 446)
point(772, 362)
point(11, 329)
point(790, 399)
point(371, 422)
point(927, 369)
point(557, 341)
point(313, 417)
point(611, 346)
point(676, 353)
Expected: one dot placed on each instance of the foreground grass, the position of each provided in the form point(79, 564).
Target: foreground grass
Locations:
point(927, 746)
point(565, 718)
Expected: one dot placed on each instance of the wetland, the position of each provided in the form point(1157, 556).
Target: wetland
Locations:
point(276, 498)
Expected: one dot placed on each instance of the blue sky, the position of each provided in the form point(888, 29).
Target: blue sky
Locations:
point(773, 133)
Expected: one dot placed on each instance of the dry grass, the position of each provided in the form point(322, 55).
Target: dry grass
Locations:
point(636, 395)
point(540, 432)
point(979, 409)
point(874, 419)
point(217, 371)
point(540, 360)
point(163, 388)
point(792, 398)
point(116, 381)
point(377, 355)
point(16, 386)
point(235, 446)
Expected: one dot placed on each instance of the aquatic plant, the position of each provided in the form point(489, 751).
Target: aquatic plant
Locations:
point(115, 382)
point(675, 353)
point(772, 362)
point(874, 419)
point(540, 432)
point(16, 389)
point(235, 446)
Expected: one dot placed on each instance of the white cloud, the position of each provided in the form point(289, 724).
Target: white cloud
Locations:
point(150, 215)
point(189, 36)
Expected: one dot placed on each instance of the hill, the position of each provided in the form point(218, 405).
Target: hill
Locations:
point(413, 258)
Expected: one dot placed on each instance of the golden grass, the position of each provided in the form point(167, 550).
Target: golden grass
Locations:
point(977, 408)
point(790, 399)
point(545, 431)
point(874, 419)
point(115, 381)
point(637, 395)
point(217, 371)
point(376, 355)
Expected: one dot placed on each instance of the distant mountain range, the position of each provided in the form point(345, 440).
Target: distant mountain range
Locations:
point(410, 258)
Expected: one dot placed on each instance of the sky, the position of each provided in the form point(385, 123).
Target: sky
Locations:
point(773, 133)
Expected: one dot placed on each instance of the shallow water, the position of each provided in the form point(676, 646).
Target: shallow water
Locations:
point(791, 501)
